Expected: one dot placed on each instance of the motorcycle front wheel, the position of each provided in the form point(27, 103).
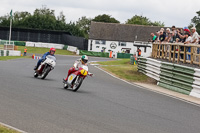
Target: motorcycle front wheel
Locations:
point(35, 75)
point(77, 84)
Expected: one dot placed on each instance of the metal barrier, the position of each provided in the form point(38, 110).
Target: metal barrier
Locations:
point(174, 77)
point(177, 52)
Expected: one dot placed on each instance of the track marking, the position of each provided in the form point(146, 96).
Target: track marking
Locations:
point(8, 126)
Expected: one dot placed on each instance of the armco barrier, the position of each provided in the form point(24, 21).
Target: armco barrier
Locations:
point(90, 53)
point(45, 45)
point(10, 53)
point(174, 77)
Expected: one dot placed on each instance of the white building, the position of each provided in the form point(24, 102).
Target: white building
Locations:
point(120, 38)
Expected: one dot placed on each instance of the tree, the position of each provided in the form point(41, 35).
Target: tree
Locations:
point(105, 18)
point(84, 24)
point(196, 21)
point(140, 20)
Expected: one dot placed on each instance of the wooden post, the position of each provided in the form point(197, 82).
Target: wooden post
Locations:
point(152, 54)
point(184, 55)
point(179, 48)
point(163, 51)
point(191, 55)
point(174, 53)
point(156, 50)
point(159, 51)
point(170, 52)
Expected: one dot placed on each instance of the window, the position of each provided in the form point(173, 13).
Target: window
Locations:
point(102, 42)
point(97, 46)
point(122, 43)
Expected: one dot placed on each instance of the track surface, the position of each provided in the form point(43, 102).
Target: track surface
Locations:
point(103, 104)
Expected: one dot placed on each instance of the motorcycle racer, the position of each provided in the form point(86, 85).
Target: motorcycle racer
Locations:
point(51, 52)
point(81, 61)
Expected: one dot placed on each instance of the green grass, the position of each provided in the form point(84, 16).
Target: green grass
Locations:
point(12, 57)
point(35, 50)
point(4, 129)
point(115, 62)
point(124, 70)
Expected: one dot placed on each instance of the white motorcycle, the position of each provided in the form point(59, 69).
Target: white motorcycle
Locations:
point(45, 67)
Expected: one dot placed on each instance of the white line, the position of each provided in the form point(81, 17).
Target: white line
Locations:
point(12, 127)
point(181, 99)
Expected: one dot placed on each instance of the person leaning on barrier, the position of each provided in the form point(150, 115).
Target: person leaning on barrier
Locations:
point(168, 35)
point(154, 37)
point(195, 40)
point(195, 35)
point(187, 41)
point(162, 36)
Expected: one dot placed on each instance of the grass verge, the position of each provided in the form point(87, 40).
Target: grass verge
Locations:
point(124, 70)
point(35, 50)
point(4, 58)
point(4, 129)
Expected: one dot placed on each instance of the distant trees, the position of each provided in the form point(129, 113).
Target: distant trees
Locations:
point(140, 20)
point(105, 18)
point(84, 24)
point(43, 19)
point(196, 21)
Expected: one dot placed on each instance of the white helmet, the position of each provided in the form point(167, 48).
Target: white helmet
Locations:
point(84, 58)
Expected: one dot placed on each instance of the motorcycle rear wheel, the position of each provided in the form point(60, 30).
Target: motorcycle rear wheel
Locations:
point(78, 84)
point(45, 73)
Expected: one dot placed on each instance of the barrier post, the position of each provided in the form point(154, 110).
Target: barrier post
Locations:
point(184, 55)
point(191, 55)
point(170, 52)
point(179, 47)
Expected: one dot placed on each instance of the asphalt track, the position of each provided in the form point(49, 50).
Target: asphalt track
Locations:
point(103, 104)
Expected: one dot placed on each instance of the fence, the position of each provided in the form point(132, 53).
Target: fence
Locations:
point(46, 36)
point(177, 52)
point(174, 77)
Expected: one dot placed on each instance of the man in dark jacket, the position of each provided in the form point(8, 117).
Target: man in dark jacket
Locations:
point(51, 52)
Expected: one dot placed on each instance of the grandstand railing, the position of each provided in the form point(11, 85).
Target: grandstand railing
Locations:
point(177, 52)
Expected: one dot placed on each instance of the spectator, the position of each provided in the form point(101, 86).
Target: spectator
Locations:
point(195, 39)
point(181, 36)
point(187, 41)
point(139, 51)
point(178, 36)
point(195, 36)
point(158, 35)
point(154, 37)
point(173, 37)
point(199, 39)
point(25, 51)
point(168, 35)
point(185, 29)
point(162, 29)
point(162, 36)
point(174, 30)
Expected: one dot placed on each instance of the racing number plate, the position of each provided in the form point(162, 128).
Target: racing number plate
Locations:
point(71, 77)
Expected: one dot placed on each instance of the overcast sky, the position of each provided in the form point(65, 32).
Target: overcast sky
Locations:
point(171, 12)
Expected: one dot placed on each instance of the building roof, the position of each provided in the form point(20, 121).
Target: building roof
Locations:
point(121, 32)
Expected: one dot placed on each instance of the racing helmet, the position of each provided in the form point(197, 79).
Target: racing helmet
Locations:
point(52, 49)
point(84, 58)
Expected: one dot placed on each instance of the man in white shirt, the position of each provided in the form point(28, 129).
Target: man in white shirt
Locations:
point(195, 40)
point(195, 36)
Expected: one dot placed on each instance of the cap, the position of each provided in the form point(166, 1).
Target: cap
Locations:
point(193, 28)
point(168, 29)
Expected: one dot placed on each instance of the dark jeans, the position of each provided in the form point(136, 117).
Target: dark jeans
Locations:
point(39, 62)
